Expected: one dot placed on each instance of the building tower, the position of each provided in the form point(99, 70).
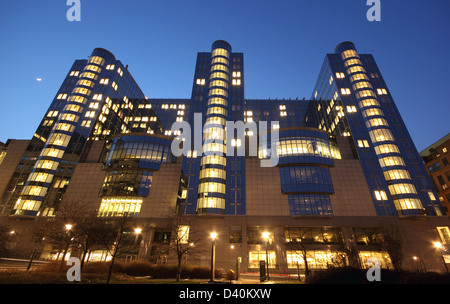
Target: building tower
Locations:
point(212, 184)
point(352, 100)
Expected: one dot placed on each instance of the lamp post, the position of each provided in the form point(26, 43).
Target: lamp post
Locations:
point(137, 231)
point(441, 248)
point(67, 244)
point(266, 238)
point(213, 255)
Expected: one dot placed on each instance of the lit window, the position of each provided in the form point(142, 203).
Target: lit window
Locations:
point(93, 105)
point(349, 53)
point(283, 113)
point(104, 81)
point(431, 195)
point(236, 82)
point(380, 195)
point(97, 97)
point(282, 107)
point(391, 161)
point(93, 68)
point(97, 60)
point(220, 52)
point(235, 142)
point(52, 114)
point(396, 189)
point(444, 150)
point(339, 76)
point(381, 135)
point(381, 91)
point(74, 73)
point(387, 148)
point(345, 91)
point(183, 234)
point(237, 74)
point(351, 109)
point(119, 70)
point(375, 122)
point(110, 67)
point(62, 96)
point(85, 82)
point(201, 81)
point(363, 143)
point(444, 233)
point(73, 108)
point(114, 85)
point(396, 174)
point(84, 91)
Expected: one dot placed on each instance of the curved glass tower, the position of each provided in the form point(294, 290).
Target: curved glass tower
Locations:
point(212, 180)
point(396, 173)
point(42, 174)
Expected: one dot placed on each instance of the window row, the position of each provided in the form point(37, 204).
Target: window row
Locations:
point(380, 135)
point(407, 203)
point(220, 52)
point(391, 161)
point(304, 204)
point(210, 202)
point(127, 183)
point(388, 148)
point(120, 206)
point(219, 92)
point(213, 173)
point(396, 174)
point(402, 189)
point(305, 179)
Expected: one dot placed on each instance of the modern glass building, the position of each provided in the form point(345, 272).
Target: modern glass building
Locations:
point(321, 178)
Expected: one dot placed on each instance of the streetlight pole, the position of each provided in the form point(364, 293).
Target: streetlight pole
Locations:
point(137, 231)
point(66, 243)
point(213, 255)
point(439, 246)
point(266, 238)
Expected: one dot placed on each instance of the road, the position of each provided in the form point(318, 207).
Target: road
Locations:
point(17, 264)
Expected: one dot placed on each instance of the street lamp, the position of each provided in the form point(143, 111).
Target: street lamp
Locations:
point(67, 244)
point(137, 231)
point(213, 255)
point(441, 248)
point(265, 236)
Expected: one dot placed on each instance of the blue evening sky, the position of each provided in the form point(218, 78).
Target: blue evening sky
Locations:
point(284, 44)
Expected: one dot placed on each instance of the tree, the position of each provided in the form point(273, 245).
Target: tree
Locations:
point(393, 245)
point(119, 224)
point(77, 224)
point(301, 244)
point(5, 238)
point(185, 240)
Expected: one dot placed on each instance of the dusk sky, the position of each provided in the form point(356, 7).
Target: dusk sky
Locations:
point(284, 44)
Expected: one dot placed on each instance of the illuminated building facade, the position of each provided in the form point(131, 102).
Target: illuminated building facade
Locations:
point(347, 174)
point(436, 162)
